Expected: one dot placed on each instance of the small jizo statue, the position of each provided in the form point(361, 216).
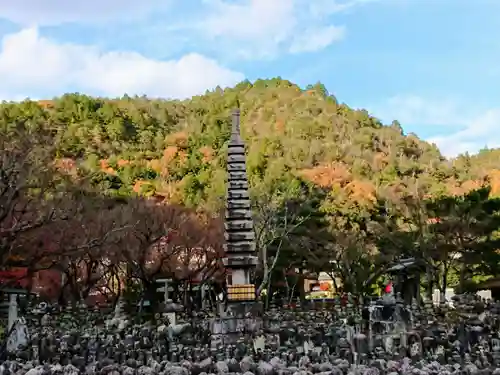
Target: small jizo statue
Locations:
point(415, 350)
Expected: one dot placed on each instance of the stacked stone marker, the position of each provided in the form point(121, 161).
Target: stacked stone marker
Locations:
point(240, 257)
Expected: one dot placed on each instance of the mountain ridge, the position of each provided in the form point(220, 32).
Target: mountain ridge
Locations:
point(176, 148)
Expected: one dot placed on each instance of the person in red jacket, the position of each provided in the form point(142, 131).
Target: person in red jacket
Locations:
point(388, 288)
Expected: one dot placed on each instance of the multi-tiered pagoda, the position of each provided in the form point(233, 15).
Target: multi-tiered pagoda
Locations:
point(240, 260)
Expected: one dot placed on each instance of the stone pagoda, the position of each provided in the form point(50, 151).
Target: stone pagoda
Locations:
point(240, 260)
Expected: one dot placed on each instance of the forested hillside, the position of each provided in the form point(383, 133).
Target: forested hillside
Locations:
point(321, 173)
point(177, 148)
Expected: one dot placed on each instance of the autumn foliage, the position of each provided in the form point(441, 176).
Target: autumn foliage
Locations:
point(103, 191)
point(69, 242)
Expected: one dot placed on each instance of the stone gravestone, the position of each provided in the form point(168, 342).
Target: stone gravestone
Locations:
point(308, 346)
point(259, 343)
point(17, 327)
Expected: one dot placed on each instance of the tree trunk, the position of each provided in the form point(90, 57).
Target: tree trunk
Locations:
point(444, 283)
point(287, 285)
point(150, 295)
point(334, 282)
point(185, 292)
point(300, 283)
point(430, 282)
point(292, 291)
point(463, 272)
point(265, 271)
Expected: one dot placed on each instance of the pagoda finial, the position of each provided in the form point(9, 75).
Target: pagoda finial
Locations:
point(236, 122)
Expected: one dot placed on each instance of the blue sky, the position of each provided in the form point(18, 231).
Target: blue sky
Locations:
point(431, 64)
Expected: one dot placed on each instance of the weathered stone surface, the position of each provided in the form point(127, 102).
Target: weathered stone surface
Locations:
point(238, 225)
point(238, 185)
point(234, 156)
point(301, 340)
point(242, 261)
point(236, 167)
point(237, 195)
point(238, 214)
point(242, 204)
point(239, 236)
point(239, 175)
point(241, 247)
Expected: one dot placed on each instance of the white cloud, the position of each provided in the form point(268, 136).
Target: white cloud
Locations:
point(315, 39)
point(54, 12)
point(247, 28)
point(460, 127)
point(327, 7)
point(417, 110)
point(262, 28)
point(480, 132)
point(32, 65)
point(255, 19)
